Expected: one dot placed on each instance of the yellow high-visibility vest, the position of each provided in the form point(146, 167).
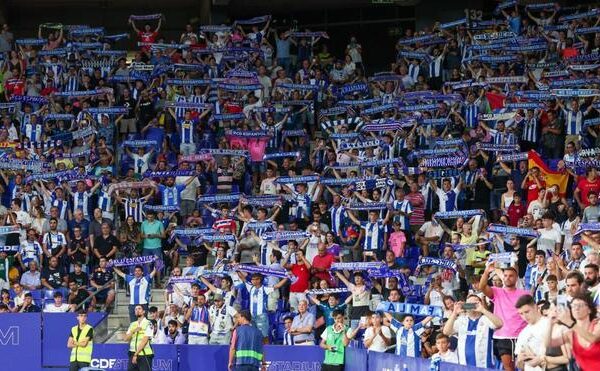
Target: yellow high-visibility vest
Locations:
point(82, 354)
point(146, 326)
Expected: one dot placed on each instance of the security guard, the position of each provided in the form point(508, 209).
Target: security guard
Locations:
point(138, 335)
point(81, 344)
point(246, 349)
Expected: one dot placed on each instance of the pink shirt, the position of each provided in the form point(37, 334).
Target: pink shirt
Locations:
point(504, 307)
point(397, 241)
point(257, 149)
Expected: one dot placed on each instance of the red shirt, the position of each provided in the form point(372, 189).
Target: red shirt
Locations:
point(515, 212)
point(417, 201)
point(303, 275)
point(147, 37)
point(533, 190)
point(585, 186)
point(15, 86)
point(324, 262)
point(569, 53)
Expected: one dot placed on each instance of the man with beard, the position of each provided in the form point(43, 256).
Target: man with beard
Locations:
point(590, 274)
point(138, 335)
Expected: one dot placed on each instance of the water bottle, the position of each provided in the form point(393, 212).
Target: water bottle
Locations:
point(405, 367)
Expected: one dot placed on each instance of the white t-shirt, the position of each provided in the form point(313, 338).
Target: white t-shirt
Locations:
point(378, 345)
point(430, 230)
point(532, 337)
point(269, 187)
point(189, 192)
point(547, 240)
point(52, 308)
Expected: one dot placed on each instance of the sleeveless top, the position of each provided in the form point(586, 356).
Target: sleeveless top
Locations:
point(508, 200)
point(587, 357)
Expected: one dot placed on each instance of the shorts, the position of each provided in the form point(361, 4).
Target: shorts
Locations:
point(128, 126)
point(102, 295)
point(504, 346)
point(187, 207)
point(261, 321)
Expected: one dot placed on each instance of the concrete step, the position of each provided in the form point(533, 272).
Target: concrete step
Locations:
point(117, 337)
point(117, 320)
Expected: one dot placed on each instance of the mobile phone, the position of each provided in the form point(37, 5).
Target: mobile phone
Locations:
point(562, 302)
point(469, 306)
point(334, 349)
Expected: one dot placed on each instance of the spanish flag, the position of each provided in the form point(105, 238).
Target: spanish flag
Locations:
point(551, 177)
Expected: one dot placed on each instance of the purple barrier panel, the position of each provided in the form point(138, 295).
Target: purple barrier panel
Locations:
point(389, 362)
point(355, 359)
point(306, 358)
point(115, 357)
point(56, 330)
point(205, 357)
point(20, 342)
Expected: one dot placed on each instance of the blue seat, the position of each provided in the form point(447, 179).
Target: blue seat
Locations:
point(49, 294)
point(413, 252)
point(37, 294)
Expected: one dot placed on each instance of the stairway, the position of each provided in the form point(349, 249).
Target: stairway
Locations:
point(118, 321)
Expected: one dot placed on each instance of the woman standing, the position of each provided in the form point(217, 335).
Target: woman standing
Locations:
point(584, 335)
point(508, 196)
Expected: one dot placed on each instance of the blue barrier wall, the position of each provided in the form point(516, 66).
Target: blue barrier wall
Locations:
point(23, 339)
point(20, 345)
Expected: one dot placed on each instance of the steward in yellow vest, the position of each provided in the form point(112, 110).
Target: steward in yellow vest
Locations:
point(139, 334)
point(81, 344)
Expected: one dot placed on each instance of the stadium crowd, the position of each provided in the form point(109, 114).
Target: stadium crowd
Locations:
point(291, 183)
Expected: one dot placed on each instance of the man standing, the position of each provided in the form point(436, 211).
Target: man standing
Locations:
point(474, 332)
point(530, 347)
point(139, 288)
point(221, 321)
point(81, 344)
point(246, 349)
point(302, 325)
point(198, 318)
point(504, 299)
point(334, 340)
point(138, 335)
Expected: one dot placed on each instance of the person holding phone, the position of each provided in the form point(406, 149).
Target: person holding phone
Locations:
point(334, 340)
point(531, 345)
point(583, 334)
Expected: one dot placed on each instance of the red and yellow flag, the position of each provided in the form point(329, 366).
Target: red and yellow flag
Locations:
point(551, 177)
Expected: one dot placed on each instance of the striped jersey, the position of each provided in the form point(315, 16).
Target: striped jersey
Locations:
point(258, 298)
point(475, 346)
point(573, 121)
point(139, 289)
point(408, 341)
point(134, 207)
point(530, 130)
point(338, 218)
point(81, 202)
point(374, 235)
point(405, 207)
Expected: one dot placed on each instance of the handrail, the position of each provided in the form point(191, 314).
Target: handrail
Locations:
point(105, 286)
